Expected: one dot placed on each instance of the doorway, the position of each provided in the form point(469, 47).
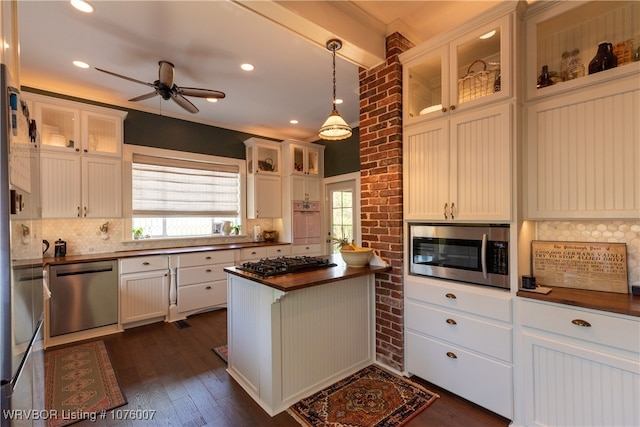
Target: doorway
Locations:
point(343, 209)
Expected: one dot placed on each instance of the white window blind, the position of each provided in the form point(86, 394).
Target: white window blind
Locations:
point(173, 187)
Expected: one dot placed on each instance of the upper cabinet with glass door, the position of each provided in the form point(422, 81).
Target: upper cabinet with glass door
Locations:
point(565, 37)
point(263, 156)
point(303, 158)
point(66, 126)
point(459, 70)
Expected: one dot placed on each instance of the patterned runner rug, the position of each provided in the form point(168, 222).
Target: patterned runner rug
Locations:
point(80, 383)
point(222, 352)
point(372, 397)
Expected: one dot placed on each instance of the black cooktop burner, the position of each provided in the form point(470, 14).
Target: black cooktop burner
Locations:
point(283, 265)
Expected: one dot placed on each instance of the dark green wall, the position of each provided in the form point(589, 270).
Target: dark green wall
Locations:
point(152, 130)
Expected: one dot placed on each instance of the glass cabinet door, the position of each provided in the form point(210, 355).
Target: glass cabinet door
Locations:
point(428, 85)
point(478, 62)
point(313, 159)
point(59, 127)
point(263, 158)
point(101, 133)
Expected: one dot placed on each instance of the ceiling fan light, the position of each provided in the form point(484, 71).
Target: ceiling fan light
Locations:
point(335, 128)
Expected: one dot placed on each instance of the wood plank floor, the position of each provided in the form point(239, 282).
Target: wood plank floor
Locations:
point(174, 371)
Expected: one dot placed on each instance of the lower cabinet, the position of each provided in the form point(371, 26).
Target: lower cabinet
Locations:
point(202, 282)
point(144, 289)
point(581, 367)
point(307, 250)
point(460, 337)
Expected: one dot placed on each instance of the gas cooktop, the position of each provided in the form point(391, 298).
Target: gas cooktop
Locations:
point(282, 265)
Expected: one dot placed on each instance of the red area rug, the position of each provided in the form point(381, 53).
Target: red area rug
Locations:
point(80, 383)
point(222, 352)
point(372, 397)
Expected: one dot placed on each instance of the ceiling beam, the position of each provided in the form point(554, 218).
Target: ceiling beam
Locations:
point(363, 37)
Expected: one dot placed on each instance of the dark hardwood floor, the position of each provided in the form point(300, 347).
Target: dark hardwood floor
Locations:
point(174, 371)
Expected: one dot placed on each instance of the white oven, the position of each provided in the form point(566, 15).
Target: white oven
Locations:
point(306, 222)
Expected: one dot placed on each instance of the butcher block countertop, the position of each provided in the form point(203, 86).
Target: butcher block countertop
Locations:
point(612, 302)
point(305, 279)
point(162, 251)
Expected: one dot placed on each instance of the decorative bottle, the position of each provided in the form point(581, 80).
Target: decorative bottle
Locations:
point(604, 59)
point(576, 68)
point(545, 78)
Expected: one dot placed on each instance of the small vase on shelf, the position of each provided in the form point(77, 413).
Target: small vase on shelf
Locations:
point(604, 59)
point(544, 79)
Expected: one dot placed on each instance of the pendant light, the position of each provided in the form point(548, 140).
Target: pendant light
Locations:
point(334, 128)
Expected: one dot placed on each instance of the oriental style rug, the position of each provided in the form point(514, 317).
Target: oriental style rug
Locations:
point(80, 383)
point(222, 352)
point(372, 397)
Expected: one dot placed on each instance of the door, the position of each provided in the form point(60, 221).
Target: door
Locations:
point(343, 205)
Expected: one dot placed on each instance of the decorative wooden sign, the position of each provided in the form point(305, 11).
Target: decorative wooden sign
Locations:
point(581, 265)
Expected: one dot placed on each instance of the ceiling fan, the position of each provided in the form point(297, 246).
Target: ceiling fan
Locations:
point(167, 89)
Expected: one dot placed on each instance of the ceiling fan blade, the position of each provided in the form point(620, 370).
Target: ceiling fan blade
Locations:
point(145, 96)
point(200, 93)
point(166, 73)
point(184, 103)
point(125, 77)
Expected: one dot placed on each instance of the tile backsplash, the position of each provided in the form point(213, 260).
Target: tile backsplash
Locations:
point(83, 236)
point(598, 231)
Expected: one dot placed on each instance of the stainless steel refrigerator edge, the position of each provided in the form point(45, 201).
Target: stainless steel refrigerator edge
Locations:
point(21, 282)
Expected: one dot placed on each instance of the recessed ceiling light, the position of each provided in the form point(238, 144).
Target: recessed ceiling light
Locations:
point(488, 35)
point(339, 101)
point(80, 64)
point(293, 122)
point(247, 67)
point(212, 99)
point(82, 6)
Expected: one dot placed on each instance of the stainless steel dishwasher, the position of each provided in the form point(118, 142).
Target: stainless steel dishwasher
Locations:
point(83, 296)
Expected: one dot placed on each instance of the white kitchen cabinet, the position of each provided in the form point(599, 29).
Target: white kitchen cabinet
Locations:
point(264, 183)
point(583, 153)
point(554, 28)
point(459, 168)
point(144, 289)
point(305, 188)
point(303, 158)
point(581, 366)
point(460, 337)
point(261, 252)
point(80, 157)
point(201, 280)
point(307, 250)
point(460, 70)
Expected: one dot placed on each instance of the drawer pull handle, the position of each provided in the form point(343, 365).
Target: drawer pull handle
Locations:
point(145, 263)
point(451, 355)
point(253, 253)
point(452, 322)
point(208, 287)
point(450, 296)
point(581, 322)
point(208, 270)
point(208, 257)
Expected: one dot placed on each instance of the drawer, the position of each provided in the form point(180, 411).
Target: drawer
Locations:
point(200, 274)
point(483, 302)
point(276, 251)
point(484, 337)
point(206, 258)
point(253, 253)
point(201, 296)
point(604, 329)
point(144, 263)
point(307, 250)
point(481, 380)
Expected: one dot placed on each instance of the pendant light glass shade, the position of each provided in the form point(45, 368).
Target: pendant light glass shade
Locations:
point(334, 128)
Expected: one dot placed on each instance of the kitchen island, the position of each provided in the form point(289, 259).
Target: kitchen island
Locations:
point(294, 334)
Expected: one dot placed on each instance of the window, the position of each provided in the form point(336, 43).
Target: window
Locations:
point(183, 195)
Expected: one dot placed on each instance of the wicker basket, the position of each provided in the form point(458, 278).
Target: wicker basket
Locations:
point(475, 84)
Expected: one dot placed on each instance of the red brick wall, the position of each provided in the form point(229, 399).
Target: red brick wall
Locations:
point(381, 193)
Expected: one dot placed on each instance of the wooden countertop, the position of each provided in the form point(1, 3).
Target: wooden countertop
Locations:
point(305, 279)
point(162, 251)
point(612, 302)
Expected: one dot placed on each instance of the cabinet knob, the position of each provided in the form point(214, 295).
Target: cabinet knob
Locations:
point(450, 296)
point(453, 107)
point(451, 355)
point(78, 211)
point(208, 257)
point(208, 270)
point(453, 208)
point(77, 150)
point(452, 322)
point(84, 214)
point(581, 322)
point(208, 287)
point(444, 109)
point(446, 216)
point(145, 263)
point(85, 150)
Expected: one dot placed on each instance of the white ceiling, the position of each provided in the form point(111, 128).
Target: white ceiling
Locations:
point(208, 40)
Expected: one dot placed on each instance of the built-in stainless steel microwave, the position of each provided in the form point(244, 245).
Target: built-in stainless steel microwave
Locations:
point(471, 253)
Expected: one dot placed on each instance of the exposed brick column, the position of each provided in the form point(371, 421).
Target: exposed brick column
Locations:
point(381, 192)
